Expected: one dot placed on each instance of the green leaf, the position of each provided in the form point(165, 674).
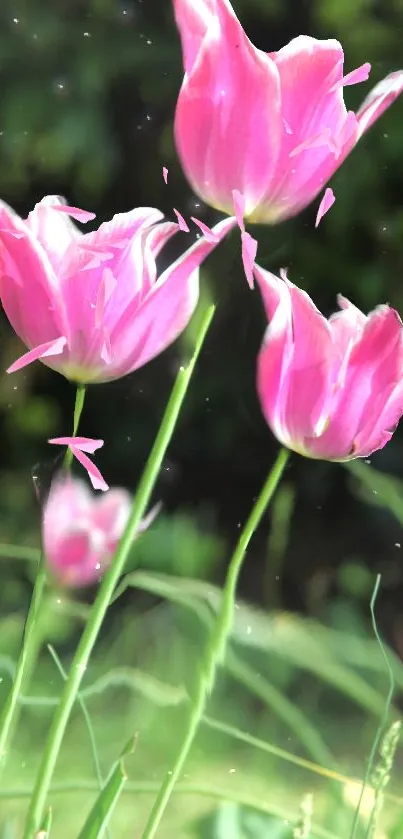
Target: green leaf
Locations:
point(44, 832)
point(378, 488)
point(100, 814)
point(291, 639)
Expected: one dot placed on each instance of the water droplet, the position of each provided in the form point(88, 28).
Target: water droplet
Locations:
point(87, 34)
point(16, 20)
point(398, 545)
point(148, 41)
point(231, 771)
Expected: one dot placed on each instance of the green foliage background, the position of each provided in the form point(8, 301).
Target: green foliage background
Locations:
point(87, 95)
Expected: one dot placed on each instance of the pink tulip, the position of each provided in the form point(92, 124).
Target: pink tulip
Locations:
point(92, 306)
point(81, 531)
point(272, 126)
point(330, 389)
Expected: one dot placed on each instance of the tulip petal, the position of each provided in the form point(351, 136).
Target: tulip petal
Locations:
point(47, 350)
point(50, 222)
point(378, 100)
point(372, 438)
point(121, 228)
point(143, 332)
point(165, 174)
point(84, 444)
point(276, 352)
point(111, 513)
point(319, 127)
point(35, 309)
point(306, 346)
point(325, 205)
point(228, 119)
point(373, 368)
point(97, 480)
point(193, 20)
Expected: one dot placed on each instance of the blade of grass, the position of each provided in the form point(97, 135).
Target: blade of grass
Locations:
point(384, 718)
point(86, 716)
point(98, 819)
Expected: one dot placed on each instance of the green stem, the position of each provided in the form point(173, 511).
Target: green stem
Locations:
point(105, 593)
point(25, 663)
point(216, 649)
point(31, 642)
point(78, 409)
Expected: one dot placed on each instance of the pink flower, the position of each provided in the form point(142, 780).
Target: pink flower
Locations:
point(330, 389)
point(81, 531)
point(92, 306)
point(272, 126)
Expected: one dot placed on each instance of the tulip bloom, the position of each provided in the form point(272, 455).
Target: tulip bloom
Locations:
point(92, 306)
point(81, 531)
point(329, 389)
point(272, 126)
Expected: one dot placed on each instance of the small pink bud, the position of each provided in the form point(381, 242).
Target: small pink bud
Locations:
point(81, 531)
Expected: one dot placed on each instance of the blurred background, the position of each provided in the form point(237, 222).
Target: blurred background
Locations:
point(87, 93)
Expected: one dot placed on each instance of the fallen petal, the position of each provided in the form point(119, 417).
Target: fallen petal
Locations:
point(361, 74)
point(43, 351)
point(165, 174)
point(74, 212)
point(97, 480)
point(207, 231)
point(181, 221)
point(249, 251)
point(325, 205)
point(84, 444)
point(239, 208)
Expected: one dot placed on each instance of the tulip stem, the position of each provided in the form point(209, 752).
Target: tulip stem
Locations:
point(107, 587)
point(26, 662)
point(78, 409)
point(216, 649)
